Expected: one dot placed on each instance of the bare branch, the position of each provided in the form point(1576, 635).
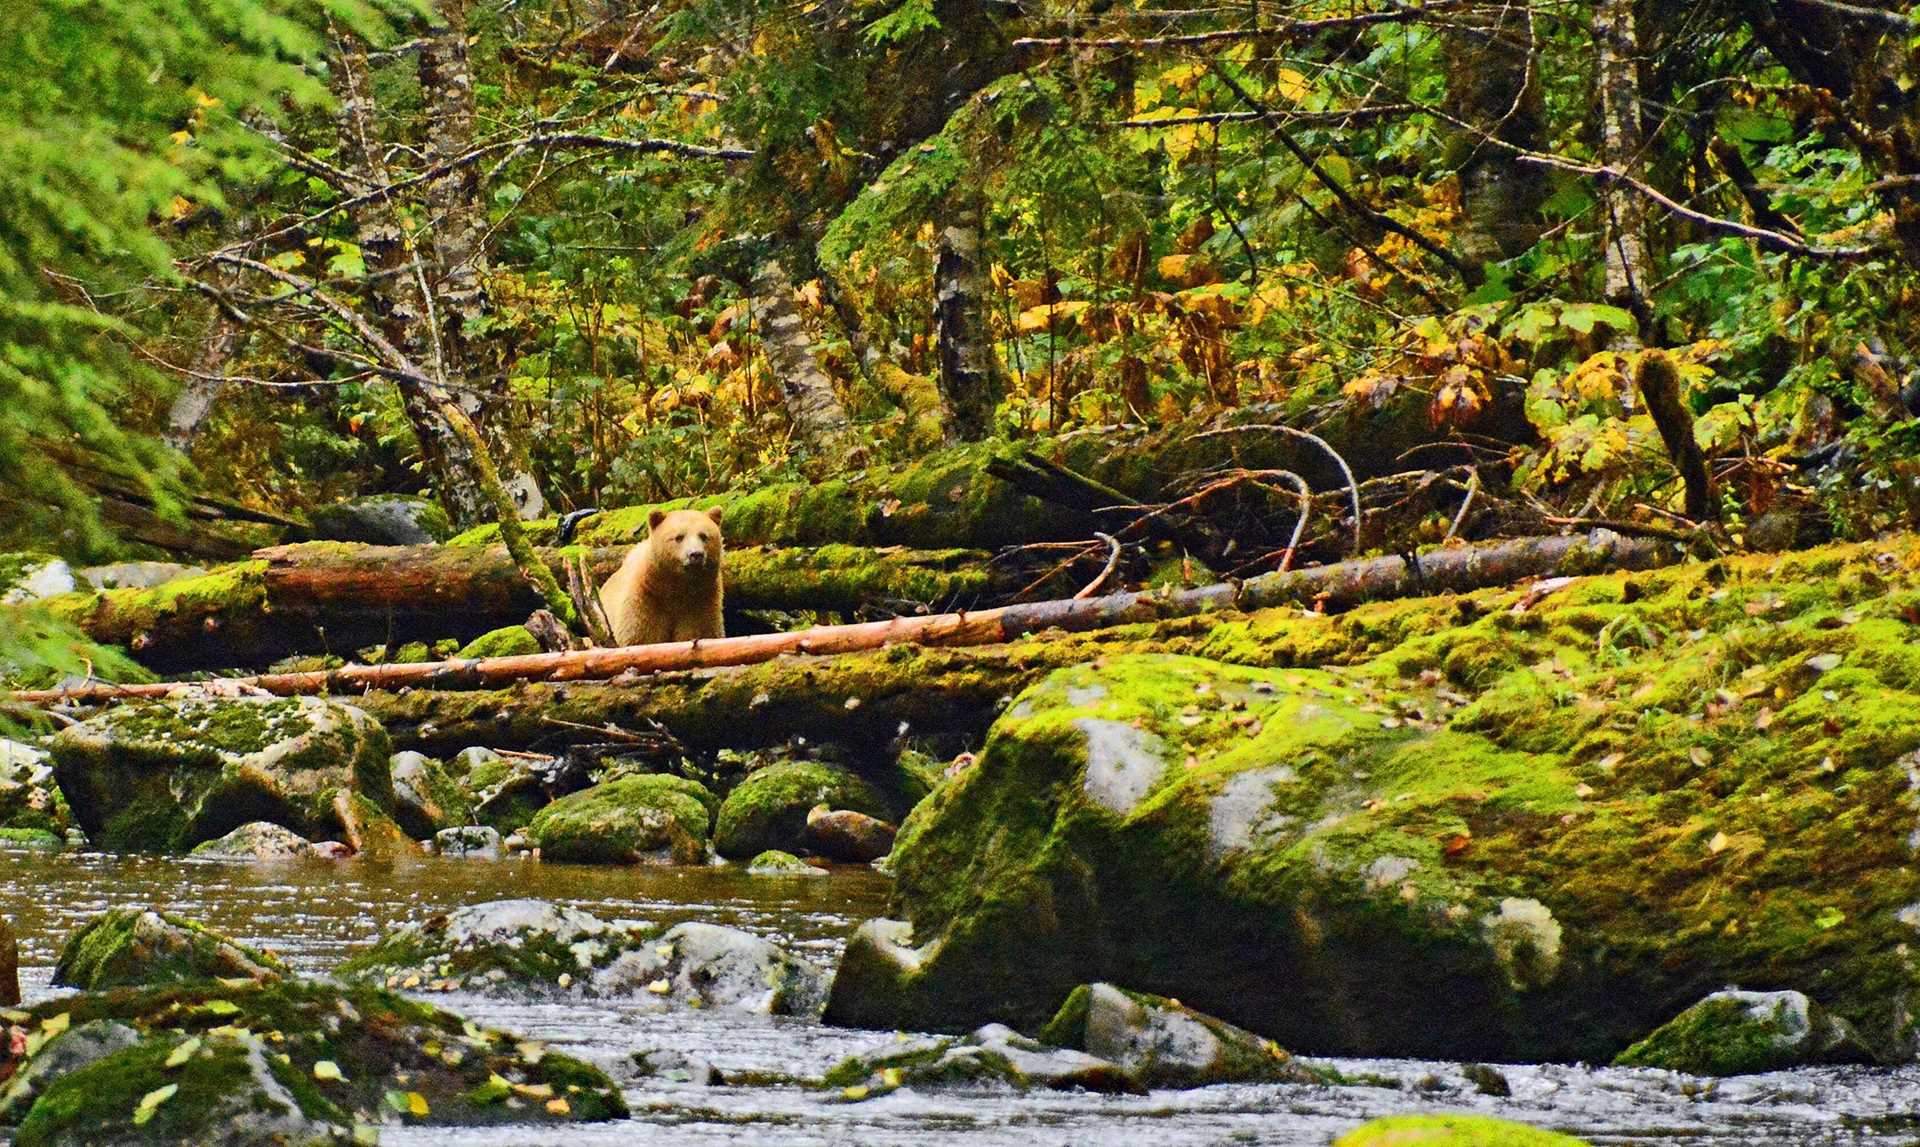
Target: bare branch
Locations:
point(1281, 29)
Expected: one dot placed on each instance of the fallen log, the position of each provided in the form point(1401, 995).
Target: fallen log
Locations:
point(1329, 588)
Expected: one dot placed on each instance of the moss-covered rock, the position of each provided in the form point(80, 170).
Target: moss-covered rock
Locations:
point(257, 840)
point(54, 1054)
point(26, 576)
point(1738, 1033)
point(382, 520)
point(654, 818)
point(1164, 1043)
point(504, 792)
point(166, 775)
point(1452, 1131)
point(769, 809)
point(29, 798)
point(473, 841)
point(30, 840)
point(995, 1055)
point(336, 1049)
point(1492, 826)
point(773, 862)
point(425, 798)
point(136, 946)
point(520, 949)
point(9, 965)
point(507, 641)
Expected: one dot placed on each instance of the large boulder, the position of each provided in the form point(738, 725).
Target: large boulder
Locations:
point(533, 949)
point(128, 946)
point(768, 810)
point(1513, 826)
point(57, 1053)
point(30, 577)
point(842, 834)
point(504, 792)
point(995, 1055)
point(166, 775)
point(257, 840)
point(343, 1054)
point(1738, 1033)
point(425, 798)
point(657, 819)
point(1164, 1043)
point(382, 520)
point(29, 798)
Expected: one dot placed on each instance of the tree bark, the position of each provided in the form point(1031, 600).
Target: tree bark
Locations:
point(818, 418)
point(1493, 83)
point(969, 376)
point(195, 401)
point(1629, 272)
point(1328, 588)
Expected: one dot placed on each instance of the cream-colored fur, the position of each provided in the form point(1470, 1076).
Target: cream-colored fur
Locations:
point(669, 586)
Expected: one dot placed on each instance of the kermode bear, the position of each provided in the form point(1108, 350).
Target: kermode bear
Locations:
point(668, 589)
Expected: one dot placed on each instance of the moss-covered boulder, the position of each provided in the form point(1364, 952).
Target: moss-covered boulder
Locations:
point(1164, 1043)
point(29, 798)
point(26, 576)
point(1452, 1131)
point(1739, 1033)
point(257, 840)
point(30, 840)
point(995, 1055)
point(768, 810)
point(520, 949)
point(504, 792)
point(129, 946)
point(842, 834)
point(1501, 826)
point(507, 641)
point(166, 775)
point(773, 862)
point(657, 819)
point(49, 1054)
point(345, 1053)
point(425, 798)
point(382, 520)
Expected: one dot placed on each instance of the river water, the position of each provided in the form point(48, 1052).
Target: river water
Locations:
point(312, 913)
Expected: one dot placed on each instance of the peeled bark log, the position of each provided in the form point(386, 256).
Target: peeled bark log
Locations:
point(1328, 588)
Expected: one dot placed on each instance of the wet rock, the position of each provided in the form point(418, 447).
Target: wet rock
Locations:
point(651, 819)
point(474, 841)
point(994, 1055)
point(9, 965)
point(425, 798)
point(344, 1053)
point(768, 810)
point(1739, 1033)
point(30, 840)
point(382, 520)
point(504, 792)
point(776, 863)
point(167, 775)
point(30, 577)
point(668, 1065)
point(1164, 1043)
point(1451, 1131)
point(258, 840)
point(520, 949)
point(1487, 1080)
point(847, 835)
point(29, 798)
point(69, 1050)
point(136, 575)
point(127, 946)
point(871, 987)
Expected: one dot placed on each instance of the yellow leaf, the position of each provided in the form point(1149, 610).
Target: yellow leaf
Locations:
point(181, 137)
point(558, 1107)
point(326, 1069)
point(1718, 844)
point(417, 1104)
point(1290, 85)
point(151, 1101)
point(183, 1053)
point(1046, 315)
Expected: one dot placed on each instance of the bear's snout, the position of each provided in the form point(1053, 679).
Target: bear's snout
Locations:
point(694, 556)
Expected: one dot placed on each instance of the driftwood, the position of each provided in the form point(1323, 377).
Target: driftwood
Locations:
point(1329, 588)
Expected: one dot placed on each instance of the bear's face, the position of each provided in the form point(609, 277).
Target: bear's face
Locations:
point(686, 539)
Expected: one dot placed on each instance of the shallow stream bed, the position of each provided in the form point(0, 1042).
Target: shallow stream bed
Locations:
point(313, 913)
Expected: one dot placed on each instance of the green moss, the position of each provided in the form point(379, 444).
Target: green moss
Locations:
point(773, 862)
point(1451, 1131)
point(769, 809)
point(36, 839)
point(627, 821)
point(508, 641)
point(129, 946)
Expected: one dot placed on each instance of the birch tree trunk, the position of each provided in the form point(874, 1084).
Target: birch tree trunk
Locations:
point(1628, 268)
point(195, 401)
point(818, 417)
point(969, 375)
point(1493, 83)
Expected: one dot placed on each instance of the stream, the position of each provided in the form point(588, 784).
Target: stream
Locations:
point(313, 913)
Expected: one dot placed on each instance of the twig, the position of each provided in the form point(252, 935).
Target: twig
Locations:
point(1113, 562)
point(1286, 28)
point(1353, 485)
point(1473, 487)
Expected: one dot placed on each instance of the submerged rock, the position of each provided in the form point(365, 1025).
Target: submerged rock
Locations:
point(656, 819)
point(258, 840)
point(520, 949)
point(670, 1065)
point(127, 946)
point(167, 775)
point(1164, 1043)
point(1452, 1131)
point(342, 1053)
point(1739, 1033)
point(425, 798)
point(776, 863)
point(768, 810)
point(382, 520)
point(994, 1055)
point(1476, 839)
point(847, 835)
point(473, 841)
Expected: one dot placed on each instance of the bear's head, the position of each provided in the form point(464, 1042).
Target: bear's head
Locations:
point(688, 539)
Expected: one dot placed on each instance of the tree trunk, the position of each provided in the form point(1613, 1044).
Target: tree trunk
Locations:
point(1629, 272)
point(1493, 83)
point(195, 400)
point(969, 369)
point(818, 418)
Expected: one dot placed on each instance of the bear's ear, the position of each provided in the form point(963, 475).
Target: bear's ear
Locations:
point(654, 519)
point(715, 515)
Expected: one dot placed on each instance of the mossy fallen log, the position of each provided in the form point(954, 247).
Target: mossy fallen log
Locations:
point(1330, 587)
point(322, 596)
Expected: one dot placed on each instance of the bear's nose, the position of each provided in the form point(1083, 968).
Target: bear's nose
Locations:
point(697, 558)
